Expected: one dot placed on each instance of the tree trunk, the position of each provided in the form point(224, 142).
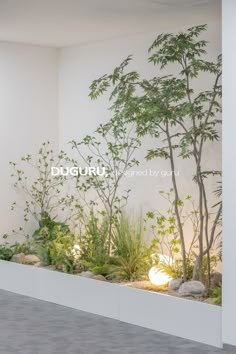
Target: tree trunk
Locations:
point(176, 201)
point(198, 271)
point(208, 277)
point(110, 233)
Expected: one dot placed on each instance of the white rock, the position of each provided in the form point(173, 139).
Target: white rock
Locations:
point(174, 284)
point(191, 288)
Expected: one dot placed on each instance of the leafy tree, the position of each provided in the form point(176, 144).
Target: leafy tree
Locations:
point(111, 152)
point(44, 194)
point(180, 117)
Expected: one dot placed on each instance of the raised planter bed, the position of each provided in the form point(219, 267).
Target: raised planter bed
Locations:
point(180, 317)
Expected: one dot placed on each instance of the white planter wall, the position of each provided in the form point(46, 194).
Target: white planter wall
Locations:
point(180, 317)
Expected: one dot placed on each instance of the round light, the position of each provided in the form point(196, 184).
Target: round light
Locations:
point(76, 251)
point(77, 247)
point(158, 277)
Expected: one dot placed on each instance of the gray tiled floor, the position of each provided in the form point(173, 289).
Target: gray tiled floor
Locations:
point(29, 326)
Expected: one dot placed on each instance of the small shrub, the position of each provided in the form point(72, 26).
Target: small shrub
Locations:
point(104, 269)
point(216, 295)
point(54, 245)
point(6, 252)
point(174, 269)
point(49, 229)
point(61, 253)
point(26, 247)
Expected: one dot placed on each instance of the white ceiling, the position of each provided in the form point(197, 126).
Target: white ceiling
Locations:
point(60, 23)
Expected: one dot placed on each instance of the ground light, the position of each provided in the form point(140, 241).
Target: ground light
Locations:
point(159, 277)
point(76, 251)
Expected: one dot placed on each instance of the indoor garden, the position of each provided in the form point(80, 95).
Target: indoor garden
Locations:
point(84, 222)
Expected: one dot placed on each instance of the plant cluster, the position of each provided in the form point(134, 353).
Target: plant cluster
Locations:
point(184, 121)
point(54, 244)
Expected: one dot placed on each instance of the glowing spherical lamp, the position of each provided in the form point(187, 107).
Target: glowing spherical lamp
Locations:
point(157, 276)
point(76, 251)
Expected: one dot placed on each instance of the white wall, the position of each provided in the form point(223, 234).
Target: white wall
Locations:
point(78, 115)
point(229, 172)
point(28, 113)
